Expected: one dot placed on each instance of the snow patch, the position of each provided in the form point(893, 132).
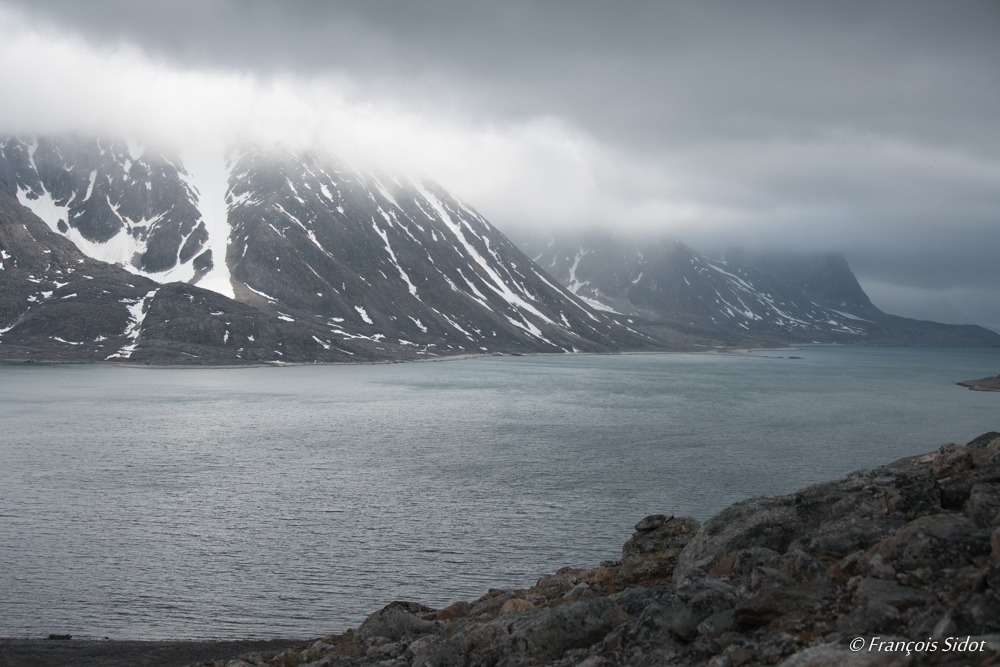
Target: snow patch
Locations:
point(269, 298)
point(497, 284)
point(137, 313)
point(597, 305)
point(392, 256)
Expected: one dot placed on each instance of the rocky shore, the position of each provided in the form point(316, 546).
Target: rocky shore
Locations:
point(983, 384)
point(902, 560)
point(899, 565)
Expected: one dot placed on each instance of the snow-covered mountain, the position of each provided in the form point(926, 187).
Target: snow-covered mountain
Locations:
point(778, 298)
point(383, 266)
point(118, 202)
point(394, 259)
point(57, 304)
point(272, 255)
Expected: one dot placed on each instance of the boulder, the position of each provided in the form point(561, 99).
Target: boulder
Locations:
point(575, 624)
point(636, 598)
point(651, 554)
point(830, 519)
point(394, 622)
point(436, 651)
point(652, 522)
point(983, 505)
point(936, 541)
point(890, 593)
point(950, 460)
point(665, 621)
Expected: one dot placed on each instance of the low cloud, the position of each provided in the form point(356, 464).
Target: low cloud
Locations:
point(869, 131)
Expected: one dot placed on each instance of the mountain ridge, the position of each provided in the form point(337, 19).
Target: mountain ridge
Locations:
point(771, 298)
point(371, 266)
point(359, 265)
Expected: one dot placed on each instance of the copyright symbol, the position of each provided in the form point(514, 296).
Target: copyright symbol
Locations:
point(857, 643)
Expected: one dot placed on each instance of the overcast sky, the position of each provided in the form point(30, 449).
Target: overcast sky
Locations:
point(869, 128)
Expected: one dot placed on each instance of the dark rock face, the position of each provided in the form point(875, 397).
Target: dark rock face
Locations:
point(787, 580)
point(745, 300)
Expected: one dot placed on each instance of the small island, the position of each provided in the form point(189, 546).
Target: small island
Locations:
point(985, 384)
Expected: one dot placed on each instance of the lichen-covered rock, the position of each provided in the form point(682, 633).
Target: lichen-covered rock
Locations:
point(950, 460)
point(396, 621)
point(650, 556)
point(937, 541)
point(666, 620)
point(652, 522)
point(983, 505)
point(515, 605)
point(575, 624)
point(834, 519)
point(436, 651)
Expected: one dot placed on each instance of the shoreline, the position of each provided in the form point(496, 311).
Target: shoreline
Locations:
point(18, 652)
point(982, 384)
point(719, 351)
point(734, 352)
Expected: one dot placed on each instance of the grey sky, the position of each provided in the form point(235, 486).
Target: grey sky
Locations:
point(866, 127)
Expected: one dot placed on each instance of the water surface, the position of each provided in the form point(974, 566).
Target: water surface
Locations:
point(220, 503)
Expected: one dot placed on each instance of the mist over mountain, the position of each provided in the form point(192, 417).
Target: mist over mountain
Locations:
point(111, 253)
point(864, 128)
point(781, 297)
point(353, 263)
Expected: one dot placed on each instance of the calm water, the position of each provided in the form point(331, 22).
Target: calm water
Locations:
point(295, 501)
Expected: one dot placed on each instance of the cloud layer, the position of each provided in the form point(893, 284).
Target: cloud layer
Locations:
point(868, 128)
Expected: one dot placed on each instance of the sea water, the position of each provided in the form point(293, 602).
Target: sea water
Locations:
point(265, 502)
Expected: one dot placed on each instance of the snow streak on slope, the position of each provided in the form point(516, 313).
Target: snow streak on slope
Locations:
point(208, 176)
point(137, 312)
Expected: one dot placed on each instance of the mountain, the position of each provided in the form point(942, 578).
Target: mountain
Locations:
point(374, 256)
point(767, 298)
point(115, 251)
point(360, 263)
point(118, 203)
point(57, 304)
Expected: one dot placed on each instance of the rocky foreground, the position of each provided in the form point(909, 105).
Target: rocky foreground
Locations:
point(905, 557)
